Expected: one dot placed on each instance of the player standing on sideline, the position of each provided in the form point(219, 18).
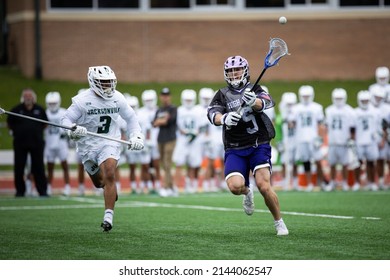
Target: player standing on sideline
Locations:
point(378, 100)
point(56, 141)
point(368, 127)
point(152, 155)
point(287, 146)
point(246, 137)
point(28, 140)
point(307, 118)
point(98, 110)
point(382, 77)
point(212, 145)
point(188, 149)
point(340, 125)
point(131, 157)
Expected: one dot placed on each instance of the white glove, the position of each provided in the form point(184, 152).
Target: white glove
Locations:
point(231, 118)
point(77, 132)
point(136, 141)
point(249, 97)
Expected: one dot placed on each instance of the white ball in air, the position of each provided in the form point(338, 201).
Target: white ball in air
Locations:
point(282, 20)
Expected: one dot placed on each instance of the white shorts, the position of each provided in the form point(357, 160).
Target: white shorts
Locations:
point(288, 155)
point(307, 152)
point(60, 152)
point(337, 154)
point(368, 152)
point(214, 150)
point(187, 153)
point(137, 157)
point(93, 158)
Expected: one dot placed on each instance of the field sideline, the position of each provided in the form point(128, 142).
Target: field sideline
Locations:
point(323, 226)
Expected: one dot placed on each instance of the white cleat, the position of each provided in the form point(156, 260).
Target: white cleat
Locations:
point(66, 191)
point(248, 202)
point(356, 187)
point(281, 228)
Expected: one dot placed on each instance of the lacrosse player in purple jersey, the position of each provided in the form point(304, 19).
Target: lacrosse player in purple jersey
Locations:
point(246, 137)
point(98, 109)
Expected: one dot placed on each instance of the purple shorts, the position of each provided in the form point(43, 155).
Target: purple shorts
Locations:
point(249, 159)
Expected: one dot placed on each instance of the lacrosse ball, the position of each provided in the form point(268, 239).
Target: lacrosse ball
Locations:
point(282, 20)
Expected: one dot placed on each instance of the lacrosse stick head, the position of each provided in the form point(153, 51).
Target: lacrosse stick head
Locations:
point(2, 111)
point(277, 49)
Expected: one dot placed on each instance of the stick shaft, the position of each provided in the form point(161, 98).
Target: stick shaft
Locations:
point(66, 127)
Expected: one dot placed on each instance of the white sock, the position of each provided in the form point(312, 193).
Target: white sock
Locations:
point(108, 216)
point(278, 221)
point(149, 183)
point(157, 185)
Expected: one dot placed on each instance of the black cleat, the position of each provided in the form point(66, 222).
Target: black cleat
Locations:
point(106, 226)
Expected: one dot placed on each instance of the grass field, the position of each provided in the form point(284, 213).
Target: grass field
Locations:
point(323, 226)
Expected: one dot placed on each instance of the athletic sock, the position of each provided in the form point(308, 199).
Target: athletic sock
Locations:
point(109, 216)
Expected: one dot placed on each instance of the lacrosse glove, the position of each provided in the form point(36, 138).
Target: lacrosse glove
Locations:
point(136, 141)
point(77, 132)
point(249, 97)
point(231, 119)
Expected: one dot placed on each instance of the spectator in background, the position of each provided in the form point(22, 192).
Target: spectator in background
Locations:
point(165, 119)
point(56, 141)
point(28, 140)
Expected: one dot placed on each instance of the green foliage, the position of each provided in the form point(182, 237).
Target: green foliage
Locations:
point(197, 227)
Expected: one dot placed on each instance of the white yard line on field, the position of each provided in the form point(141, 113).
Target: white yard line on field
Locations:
point(98, 203)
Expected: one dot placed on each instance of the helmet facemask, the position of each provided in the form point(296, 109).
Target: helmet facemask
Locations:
point(53, 101)
point(188, 98)
point(102, 80)
point(236, 71)
point(339, 97)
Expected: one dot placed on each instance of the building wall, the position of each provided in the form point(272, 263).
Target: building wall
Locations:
point(193, 47)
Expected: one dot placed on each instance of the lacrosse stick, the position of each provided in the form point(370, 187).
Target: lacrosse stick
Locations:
point(2, 111)
point(277, 49)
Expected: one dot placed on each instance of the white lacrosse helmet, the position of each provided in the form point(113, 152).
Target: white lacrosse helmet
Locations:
point(205, 96)
point(265, 89)
point(102, 80)
point(306, 94)
point(339, 97)
point(132, 101)
point(236, 71)
point(188, 98)
point(378, 95)
point(382, 75)
point(289, 98)
point(149, 98)
point(53, 101)
point(364, 99)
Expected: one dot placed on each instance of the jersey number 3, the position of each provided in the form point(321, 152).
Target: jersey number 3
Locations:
point(105, 124)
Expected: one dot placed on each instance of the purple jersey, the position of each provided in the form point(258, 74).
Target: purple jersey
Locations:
point(253, 129)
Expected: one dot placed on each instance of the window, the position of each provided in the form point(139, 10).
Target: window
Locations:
point(71, 3)
point(169, 3)
point(265, 3)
